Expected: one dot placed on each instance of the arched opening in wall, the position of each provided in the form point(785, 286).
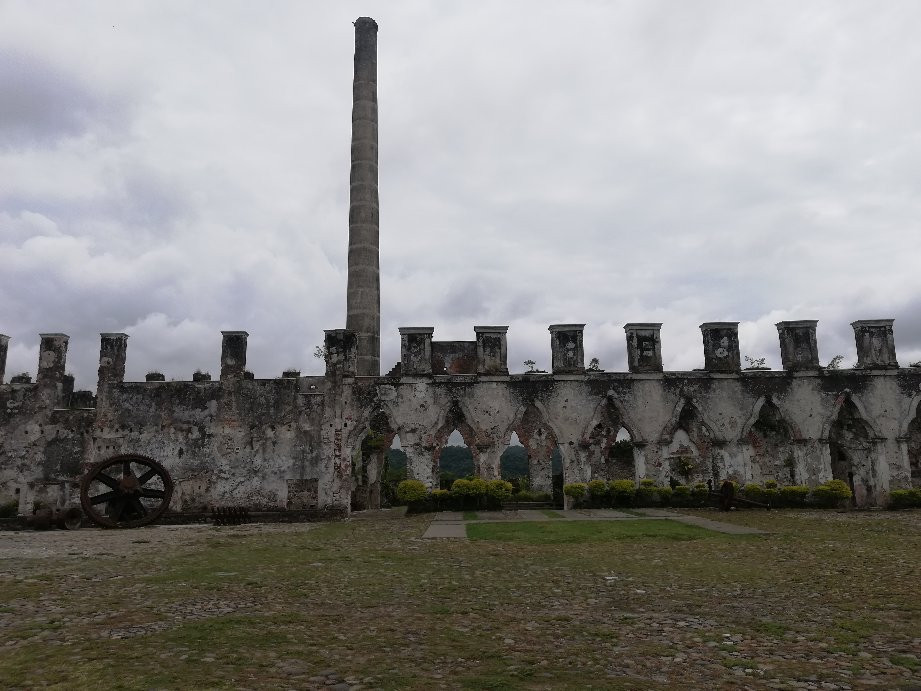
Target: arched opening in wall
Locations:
point(369, 463)
point(601, 440)
point(513, 465)
point(621, 465)
point(914, 449)
point(455, 460)
point(690, 452)
point(850, 445)
point(454, 451)
point(770, 439)
point(556, 476)
point(538, 442)
point(394, 471)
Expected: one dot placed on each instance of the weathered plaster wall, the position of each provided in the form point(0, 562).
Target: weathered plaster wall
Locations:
point(295, 442)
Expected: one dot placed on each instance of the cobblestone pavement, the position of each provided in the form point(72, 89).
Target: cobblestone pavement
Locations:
point(822, 600)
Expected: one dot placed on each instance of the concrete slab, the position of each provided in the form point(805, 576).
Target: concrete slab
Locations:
point(717, 526)
point(610, 513)
point(451, 524)
point(708, 523)
point(533, 515)
point(444, 529)
point(658, 513)
point(595, 514)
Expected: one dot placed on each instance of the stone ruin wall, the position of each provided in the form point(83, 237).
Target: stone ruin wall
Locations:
point(294, 442)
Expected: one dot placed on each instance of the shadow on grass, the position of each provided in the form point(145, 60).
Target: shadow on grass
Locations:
point(554, 533)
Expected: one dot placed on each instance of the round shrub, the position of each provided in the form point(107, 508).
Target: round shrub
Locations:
point(771, 496)
point(479, 487)
point(681, 495)
point(470, 493)
point(647, 482)
point(598, 492)
point(794, 495)
point(531, 495)
point(831, 495)
point(665, 495)
point(575, 490)
point(499, 490)
point(700, 494)
point(442, 499)
point(411, 492)
point(905, 499)
point(622, 492)
point(754, 492)
point(463, 488)
point(646, 494)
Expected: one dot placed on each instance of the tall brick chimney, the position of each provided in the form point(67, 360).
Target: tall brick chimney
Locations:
point(363, 293)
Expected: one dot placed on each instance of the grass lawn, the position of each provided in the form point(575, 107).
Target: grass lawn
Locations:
point(825, 598)
point(553, 533)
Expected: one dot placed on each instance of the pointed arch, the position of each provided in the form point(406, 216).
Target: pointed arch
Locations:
point(756, 413)
point(912, 414)
point(674, 421)
point(624, 420)
point(767, 438)
point(359, 428)
point(455, 416)
point(370, 438)
point(840, 402)
point(456, 410)
point(539, 438)
point(519, 416)
point(853, 448)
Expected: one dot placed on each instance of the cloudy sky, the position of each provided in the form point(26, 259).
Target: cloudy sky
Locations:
point(171, 169)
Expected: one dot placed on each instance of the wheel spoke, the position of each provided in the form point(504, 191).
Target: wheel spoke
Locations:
point(104, 497)
point(117, 508)
point(142, 480)
point(107, 481)
point(126, 469)
point(153, 493)
point(138, 507)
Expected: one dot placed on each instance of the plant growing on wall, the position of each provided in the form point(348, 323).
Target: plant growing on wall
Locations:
point(756, 362)
point(835, 362)
point(685, 466)
point(594, 365)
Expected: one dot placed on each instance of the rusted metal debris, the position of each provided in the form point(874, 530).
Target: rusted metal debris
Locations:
point(66, 519)
point(230, 515)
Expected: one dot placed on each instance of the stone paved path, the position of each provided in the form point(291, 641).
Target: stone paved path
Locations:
point(451, 524)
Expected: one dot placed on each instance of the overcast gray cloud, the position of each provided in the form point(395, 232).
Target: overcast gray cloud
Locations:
point(173, 169)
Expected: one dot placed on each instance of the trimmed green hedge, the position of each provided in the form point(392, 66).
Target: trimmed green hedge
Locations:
point(411, 491)
point(831, 495)
point(905, 499)
point(476, 493)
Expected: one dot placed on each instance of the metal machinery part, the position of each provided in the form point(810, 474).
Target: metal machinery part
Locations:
point(126, 491)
